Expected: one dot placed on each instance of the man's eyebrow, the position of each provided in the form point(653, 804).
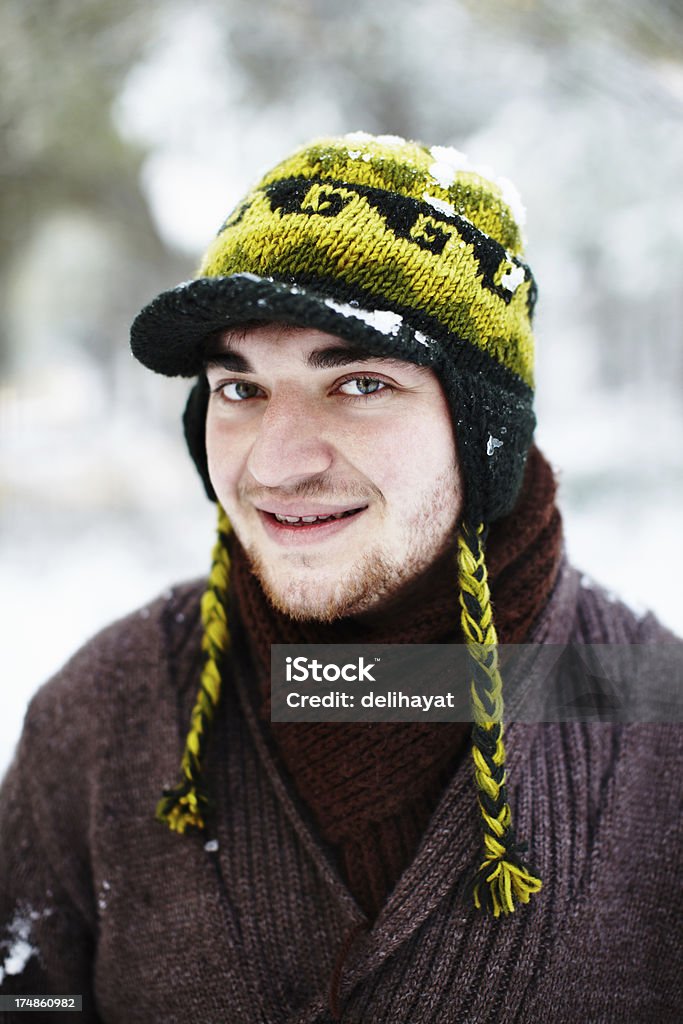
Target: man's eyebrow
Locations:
point(343, 355)
point(228, 360)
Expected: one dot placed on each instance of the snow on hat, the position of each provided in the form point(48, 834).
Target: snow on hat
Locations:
point(403, 250)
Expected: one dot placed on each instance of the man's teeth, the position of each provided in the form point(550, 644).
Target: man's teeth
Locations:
point(312, 519)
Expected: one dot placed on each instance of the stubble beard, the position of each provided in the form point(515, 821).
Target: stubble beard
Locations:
point(378, 577)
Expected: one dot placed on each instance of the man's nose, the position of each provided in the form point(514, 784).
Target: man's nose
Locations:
point(289, 445)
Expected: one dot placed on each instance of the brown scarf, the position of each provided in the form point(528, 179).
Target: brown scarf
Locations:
point(372, 788)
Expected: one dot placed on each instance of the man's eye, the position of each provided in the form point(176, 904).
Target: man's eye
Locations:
point(362, 386)
point(238, 390)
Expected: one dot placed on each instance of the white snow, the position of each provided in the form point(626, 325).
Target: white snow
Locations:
point(512, 278)
point(19, 949)
point(513, 199)
point(386, 140)
point(455, 158)
point(391, 140)
point(492, 444)
point(423, 339)
point(359, 137)
point(248, 276)
point(439, 204)
point(448, 161)
point(211, 846)
point(102, 895)
point(354, 153)
point(19, 954)
point(383, 320)
point(443, 174)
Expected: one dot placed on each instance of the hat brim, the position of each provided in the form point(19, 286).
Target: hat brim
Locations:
point(171, 334)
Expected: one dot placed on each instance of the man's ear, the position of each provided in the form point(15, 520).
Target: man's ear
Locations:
point(194, 425)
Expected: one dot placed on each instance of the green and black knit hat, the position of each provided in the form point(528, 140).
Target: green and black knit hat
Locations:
point(403, 250)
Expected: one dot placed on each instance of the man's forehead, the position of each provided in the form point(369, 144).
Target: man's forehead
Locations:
point(317, 349)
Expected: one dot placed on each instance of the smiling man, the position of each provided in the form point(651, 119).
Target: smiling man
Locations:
point(360, 337)
point(337, 471)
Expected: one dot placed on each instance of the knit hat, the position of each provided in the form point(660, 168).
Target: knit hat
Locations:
point(401, 250)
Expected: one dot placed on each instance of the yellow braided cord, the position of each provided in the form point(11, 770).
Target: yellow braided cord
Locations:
point(502, 880)
point(183, 806)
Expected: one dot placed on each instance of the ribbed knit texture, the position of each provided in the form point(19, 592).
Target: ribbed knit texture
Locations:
point(150, 926)
point(373, 787)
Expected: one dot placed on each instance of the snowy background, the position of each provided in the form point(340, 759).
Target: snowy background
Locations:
point(130, 132)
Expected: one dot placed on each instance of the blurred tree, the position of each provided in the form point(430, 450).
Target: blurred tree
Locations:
point(386, 58)
point(62, 64)
point(654, 30)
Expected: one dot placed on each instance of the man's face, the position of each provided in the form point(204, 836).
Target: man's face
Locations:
point(300, 425)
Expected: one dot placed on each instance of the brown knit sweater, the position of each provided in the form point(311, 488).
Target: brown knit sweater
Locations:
point(98, 899)
point(372, 788)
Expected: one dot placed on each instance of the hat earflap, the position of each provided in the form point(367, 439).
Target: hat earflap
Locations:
point(194, 428)
point(502, 878)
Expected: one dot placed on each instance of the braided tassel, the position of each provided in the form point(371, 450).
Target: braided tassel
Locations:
point(185, 805)
point(502, 878)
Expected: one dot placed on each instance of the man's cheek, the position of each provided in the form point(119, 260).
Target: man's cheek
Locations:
point(224, 459)
point(404, 470)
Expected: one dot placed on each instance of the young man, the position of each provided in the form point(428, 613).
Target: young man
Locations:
point(360, 330)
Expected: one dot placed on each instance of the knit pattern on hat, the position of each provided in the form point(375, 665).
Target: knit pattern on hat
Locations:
point(375, 224)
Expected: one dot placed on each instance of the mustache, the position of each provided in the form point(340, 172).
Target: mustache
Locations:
point(323, 487)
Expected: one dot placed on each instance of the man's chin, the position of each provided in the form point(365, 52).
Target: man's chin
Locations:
point(309, 602)
point(312, 598)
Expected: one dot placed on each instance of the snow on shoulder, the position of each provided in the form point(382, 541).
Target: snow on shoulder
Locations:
point(19, 948)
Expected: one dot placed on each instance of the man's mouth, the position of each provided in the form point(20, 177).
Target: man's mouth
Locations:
point(306, 525)
point(308, 520)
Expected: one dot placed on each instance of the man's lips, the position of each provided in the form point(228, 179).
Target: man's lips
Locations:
point(301, 510)
point(289, 528)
